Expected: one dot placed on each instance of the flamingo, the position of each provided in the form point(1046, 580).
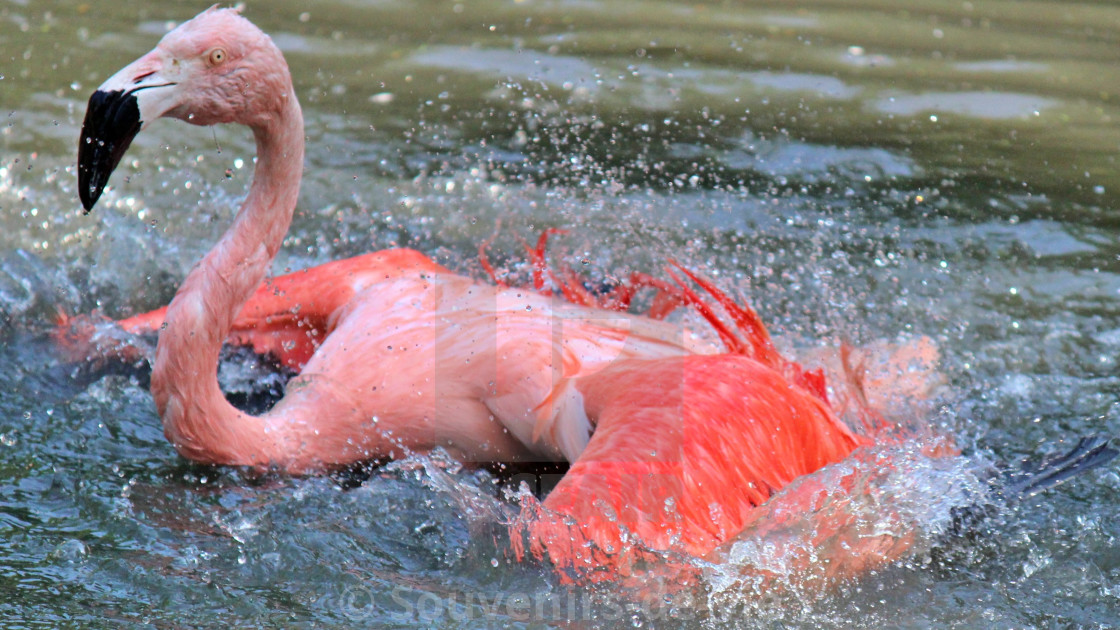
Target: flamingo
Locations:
point(674, 441)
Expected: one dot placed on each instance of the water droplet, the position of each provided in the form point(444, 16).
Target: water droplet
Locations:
point(493, 562)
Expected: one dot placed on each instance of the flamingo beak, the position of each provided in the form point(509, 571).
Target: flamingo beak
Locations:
point(117, 111)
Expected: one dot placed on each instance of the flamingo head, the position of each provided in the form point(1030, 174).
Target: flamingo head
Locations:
point(216, 68)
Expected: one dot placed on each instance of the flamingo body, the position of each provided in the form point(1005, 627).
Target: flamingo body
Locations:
point(673, 443)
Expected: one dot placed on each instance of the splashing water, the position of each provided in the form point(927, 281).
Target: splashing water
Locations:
point(815, 168)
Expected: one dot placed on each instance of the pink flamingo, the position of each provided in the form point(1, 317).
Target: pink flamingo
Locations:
point(397, 354)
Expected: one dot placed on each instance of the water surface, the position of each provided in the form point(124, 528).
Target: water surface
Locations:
point(858, 170)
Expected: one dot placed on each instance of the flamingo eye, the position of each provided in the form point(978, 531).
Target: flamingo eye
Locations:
point(217, 57)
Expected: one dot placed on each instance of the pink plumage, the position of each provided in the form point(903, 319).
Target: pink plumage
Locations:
point(673, 440)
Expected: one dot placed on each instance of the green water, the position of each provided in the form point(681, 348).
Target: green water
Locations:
point(858, 170)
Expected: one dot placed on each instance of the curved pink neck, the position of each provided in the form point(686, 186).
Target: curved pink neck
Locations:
point(197, 419)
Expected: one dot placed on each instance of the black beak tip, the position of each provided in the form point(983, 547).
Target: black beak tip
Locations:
point(88, 194)
point(112, 121)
